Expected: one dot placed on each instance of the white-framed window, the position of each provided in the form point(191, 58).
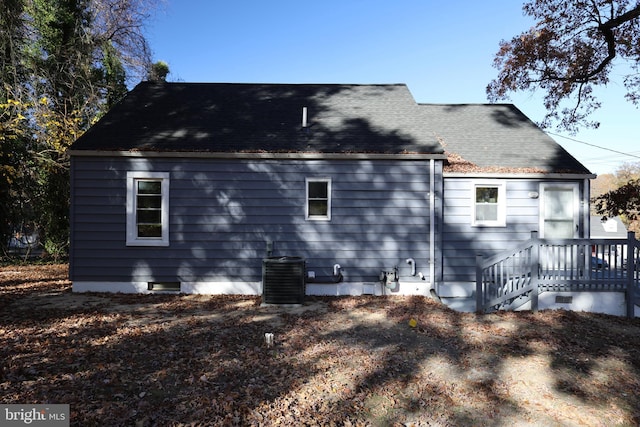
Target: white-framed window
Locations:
point(318, 199)
point(489, 204)
point(147, 208)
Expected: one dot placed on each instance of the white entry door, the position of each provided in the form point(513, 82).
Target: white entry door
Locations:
point(559, 211)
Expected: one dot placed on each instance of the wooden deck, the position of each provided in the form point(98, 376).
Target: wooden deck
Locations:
point(512, 278)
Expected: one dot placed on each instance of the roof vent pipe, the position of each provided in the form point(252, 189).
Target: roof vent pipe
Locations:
point(304, 117)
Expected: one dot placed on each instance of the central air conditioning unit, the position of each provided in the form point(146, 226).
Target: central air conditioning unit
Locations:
point(283, 280)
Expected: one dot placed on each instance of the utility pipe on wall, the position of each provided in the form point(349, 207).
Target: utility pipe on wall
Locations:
point(336, 269)
point(412, 262)
point(586, 189)
point(325, 280)
point(432, 225)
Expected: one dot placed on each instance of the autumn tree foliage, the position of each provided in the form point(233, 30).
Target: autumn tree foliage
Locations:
point(63, 63)
point(622, 198)
point(572, 49)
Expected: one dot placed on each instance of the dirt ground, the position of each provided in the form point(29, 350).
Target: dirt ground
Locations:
point(163, 360)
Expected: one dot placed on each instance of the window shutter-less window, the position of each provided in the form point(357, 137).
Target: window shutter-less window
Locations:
point(318, 200)
point(489, 204)
point(147, 209)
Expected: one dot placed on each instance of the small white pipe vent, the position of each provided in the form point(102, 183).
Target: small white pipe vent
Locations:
point(304, 117)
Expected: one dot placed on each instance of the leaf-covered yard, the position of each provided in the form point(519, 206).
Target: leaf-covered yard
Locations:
point(163, 360)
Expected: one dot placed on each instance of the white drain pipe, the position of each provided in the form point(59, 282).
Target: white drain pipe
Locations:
point(432, 225)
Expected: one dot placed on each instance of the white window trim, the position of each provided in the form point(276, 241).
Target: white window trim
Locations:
point(306, 200)
point(502, 203)
point(132, 234)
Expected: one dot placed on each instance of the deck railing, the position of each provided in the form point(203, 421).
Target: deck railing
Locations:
point(510, 279)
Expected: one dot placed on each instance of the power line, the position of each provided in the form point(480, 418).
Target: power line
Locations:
point(594, 145)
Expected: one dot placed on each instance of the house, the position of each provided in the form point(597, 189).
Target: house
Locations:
point(611, 228)
point(191, 186)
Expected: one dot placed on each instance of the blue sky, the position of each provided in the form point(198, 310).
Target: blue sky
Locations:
point(443, 51)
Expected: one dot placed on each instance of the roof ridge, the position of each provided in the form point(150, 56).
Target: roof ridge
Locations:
point(269, 84)
point(462, 104)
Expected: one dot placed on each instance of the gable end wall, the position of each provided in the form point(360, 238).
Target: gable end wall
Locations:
point(224, 213)
point(461, 241)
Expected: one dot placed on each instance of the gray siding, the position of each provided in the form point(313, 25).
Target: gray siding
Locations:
point(223, 213)
point(461, 241)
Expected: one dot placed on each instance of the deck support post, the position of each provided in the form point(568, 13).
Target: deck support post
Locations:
point(631, 267)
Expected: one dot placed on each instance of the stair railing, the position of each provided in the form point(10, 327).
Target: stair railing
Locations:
point(510, 279)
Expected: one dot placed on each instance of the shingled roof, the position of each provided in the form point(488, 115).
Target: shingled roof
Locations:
point(341, 118)
point(255, 118)
point(495, 138)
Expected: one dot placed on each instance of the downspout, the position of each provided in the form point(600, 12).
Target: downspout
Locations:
point(586, 208)
point(432, 225)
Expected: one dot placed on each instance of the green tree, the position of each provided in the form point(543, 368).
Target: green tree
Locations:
point(571, 49)
point(15, 176)
point(159, 71)
point(13, 123)
point(64, 98)
point(64, 63)
point(12, 34)
point(113, 75)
